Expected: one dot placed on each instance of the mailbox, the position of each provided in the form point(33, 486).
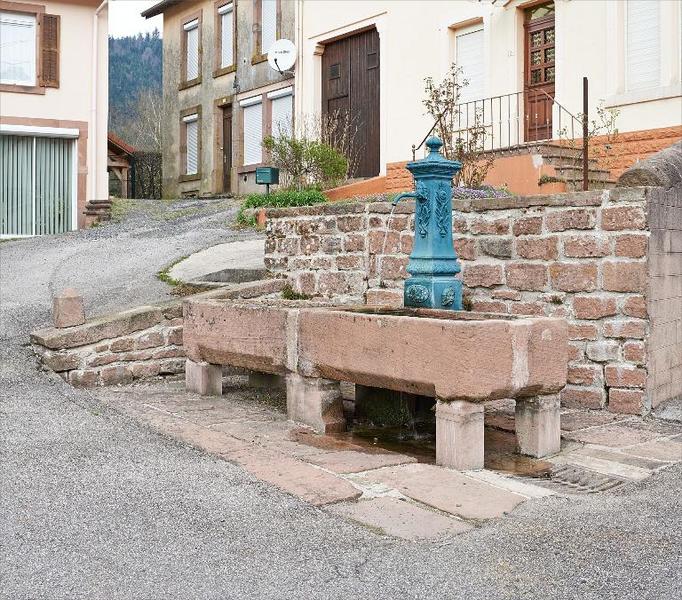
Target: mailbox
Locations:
point(267, 175)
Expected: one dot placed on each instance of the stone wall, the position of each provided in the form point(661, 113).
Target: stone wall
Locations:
point(134, 344)
point(584, 256)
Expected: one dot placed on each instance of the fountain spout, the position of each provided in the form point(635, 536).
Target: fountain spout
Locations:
point(433, 264)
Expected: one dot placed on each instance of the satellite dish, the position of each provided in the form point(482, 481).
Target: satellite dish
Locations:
point(282, 55)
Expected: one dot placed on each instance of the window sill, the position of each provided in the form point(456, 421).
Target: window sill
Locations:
point(225, 71)
point(188, 84)
point(22, 89)
point(640, 96)
point(259, 58)
point(194, 177)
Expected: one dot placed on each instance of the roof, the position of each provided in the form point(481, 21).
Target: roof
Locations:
point(158, 8)
point(116, 141)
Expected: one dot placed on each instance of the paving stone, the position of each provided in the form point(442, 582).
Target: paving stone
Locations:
point(449, 491)
point(606, 467)
point(573, 421)
point(295, 477)
point(614, 436)
point(660, 450)
point(400, 518)
point(350, 461)
point(621, 457)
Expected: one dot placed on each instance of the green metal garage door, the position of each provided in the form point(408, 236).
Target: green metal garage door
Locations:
point(36, 185)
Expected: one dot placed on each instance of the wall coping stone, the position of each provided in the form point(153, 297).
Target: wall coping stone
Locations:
point(564, 199)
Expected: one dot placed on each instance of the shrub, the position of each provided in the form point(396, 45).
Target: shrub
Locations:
point(307, 162)
point(282, 199)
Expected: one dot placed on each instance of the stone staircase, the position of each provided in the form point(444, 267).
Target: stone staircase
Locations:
point(568, 166)
point(97, 211)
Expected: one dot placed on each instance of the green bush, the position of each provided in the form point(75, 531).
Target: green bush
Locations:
point(307, 162)
point(281, 199)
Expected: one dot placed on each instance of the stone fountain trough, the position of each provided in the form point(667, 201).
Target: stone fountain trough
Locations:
point(461, 358)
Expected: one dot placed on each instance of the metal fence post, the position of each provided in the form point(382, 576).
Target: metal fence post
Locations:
point(586, 158)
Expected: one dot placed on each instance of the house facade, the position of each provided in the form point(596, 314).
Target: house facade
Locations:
point(53, 114)
point(524, 60)
point(221, 98)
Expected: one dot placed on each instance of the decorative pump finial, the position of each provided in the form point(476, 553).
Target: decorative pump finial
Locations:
point(433, 263)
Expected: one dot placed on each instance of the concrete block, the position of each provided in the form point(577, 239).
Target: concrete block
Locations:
point(67, 309)
point(538, 425)
point(316, 402)
point(459, 435)
point(203, 378)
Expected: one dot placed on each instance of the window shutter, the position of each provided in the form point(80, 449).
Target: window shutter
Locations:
point(268, 25)
point(253, 134)
point(470, 58)
point(227, 37)
point(282, 108)
point(49, 48)
point(192, 53)
point(192, 134)
point(643, 47)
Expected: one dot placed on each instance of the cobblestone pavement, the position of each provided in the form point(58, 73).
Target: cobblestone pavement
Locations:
point(95, 503)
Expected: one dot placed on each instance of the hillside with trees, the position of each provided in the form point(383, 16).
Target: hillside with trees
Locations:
point(135, 98)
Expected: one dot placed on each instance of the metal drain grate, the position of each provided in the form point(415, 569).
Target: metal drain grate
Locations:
point(583, 480)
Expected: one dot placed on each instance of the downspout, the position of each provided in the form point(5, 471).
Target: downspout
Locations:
point(92, 168)
point(298, 72)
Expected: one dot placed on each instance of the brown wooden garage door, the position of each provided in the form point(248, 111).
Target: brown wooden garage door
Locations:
point(350, 82)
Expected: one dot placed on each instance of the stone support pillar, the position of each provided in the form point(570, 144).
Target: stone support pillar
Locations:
point(203, 378)
point(538, 425)
point(316, 402)
point(459, 435)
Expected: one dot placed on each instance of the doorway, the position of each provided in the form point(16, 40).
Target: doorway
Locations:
point(350, 93)
point(227, 149)
point(539, 74)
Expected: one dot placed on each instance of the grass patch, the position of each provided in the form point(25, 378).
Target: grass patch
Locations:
point(120, 207)
point(189, 289)
point(164, 274)
point(288, 293)
point(280, 199)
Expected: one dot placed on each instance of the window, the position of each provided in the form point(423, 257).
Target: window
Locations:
point(469, 56)
point(226, 35)
point(253, 130)
point(643, 45)
point(192, 144)
point(266, 13)
point(18, 49)
point(282, 110)
point(191, 50)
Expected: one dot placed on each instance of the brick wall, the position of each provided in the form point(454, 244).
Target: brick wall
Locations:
point(665, 295)
point(578, 255)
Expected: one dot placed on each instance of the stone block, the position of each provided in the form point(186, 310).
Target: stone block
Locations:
point(174, 336)
point(631, 245)
point(352, 461)
point(496, 247)
point(83, 378)
point(59, 361)
point(315, 402)
point(634, 352)
point(585, 375)
point(625, 376)
point(585, 246)
point(526, 276)
point(116, 375)
point(537, 424)
point(617, 218)
point(459, 435)
point(540, 248)
point(203, 378)
point(151, 339)
point(482, 275)
point(465, 248)
point(67, 309)
point(625, 328)
point(574, 396)
point(624, 276)
point(627, 401)
point(578, 277)
point(124, 344)
point(593, 307)
point(582, 331)
point(602, 350)
point(384, 296)
point(172, 366)
point(635, 306)
point(401, 519)
point(571, 218)
point(483, 226)
point(527, 226)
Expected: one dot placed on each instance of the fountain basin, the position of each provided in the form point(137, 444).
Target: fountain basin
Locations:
point(462, 359)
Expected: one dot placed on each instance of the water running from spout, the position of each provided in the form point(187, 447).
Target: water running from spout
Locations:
point(383, 247)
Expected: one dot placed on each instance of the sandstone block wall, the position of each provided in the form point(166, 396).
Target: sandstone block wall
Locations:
point(584, 256)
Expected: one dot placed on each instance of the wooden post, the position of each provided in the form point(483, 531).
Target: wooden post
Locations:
point(586, 158)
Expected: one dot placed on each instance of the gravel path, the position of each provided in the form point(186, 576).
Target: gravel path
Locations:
point(92, 505)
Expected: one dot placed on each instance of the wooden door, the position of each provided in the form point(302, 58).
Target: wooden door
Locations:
point(350, 90)
point(539, 72)
point(227, 149)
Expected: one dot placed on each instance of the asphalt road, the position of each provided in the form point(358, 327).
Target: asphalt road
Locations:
point(92, 505)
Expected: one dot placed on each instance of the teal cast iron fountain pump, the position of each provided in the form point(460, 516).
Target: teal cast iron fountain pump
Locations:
point(433, 263)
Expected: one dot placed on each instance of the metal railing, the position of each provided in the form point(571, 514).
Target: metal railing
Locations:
point(510, 120)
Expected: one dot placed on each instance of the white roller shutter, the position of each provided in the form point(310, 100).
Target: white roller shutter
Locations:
point(282, 111)
point(192, 33)
point(253, 130)
point(268, 24)
point(192, 137)
point(643, 44)
point(227, 34)
point(469, 56)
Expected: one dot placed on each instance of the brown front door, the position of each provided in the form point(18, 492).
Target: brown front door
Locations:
point(227, 149)
point(350, 93)
point(539, 71)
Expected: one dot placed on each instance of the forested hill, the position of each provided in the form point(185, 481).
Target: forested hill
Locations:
point(134, 68)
